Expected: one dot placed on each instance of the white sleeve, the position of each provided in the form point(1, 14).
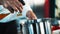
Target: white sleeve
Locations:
point(27, 7)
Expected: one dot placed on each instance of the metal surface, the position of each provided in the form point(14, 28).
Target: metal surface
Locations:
point(39, 26)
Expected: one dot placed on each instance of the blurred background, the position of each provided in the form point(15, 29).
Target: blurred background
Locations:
point(47, 9)
point(37, 6)
point(57, 10)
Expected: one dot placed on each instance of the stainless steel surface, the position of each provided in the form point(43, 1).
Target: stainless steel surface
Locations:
point(43, 24)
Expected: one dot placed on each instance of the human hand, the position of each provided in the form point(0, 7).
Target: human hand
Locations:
point(12, 4)
point(31, 15)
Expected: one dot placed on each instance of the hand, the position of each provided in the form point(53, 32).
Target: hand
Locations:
point(31, 15)
point(14, 4)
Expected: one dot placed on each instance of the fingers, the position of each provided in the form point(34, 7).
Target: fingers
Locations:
point(32, 18)
point(12, 5)
point(31, 15)
point(8, 7)
point(18, 6)
point(15, 5)
point(5, 5)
